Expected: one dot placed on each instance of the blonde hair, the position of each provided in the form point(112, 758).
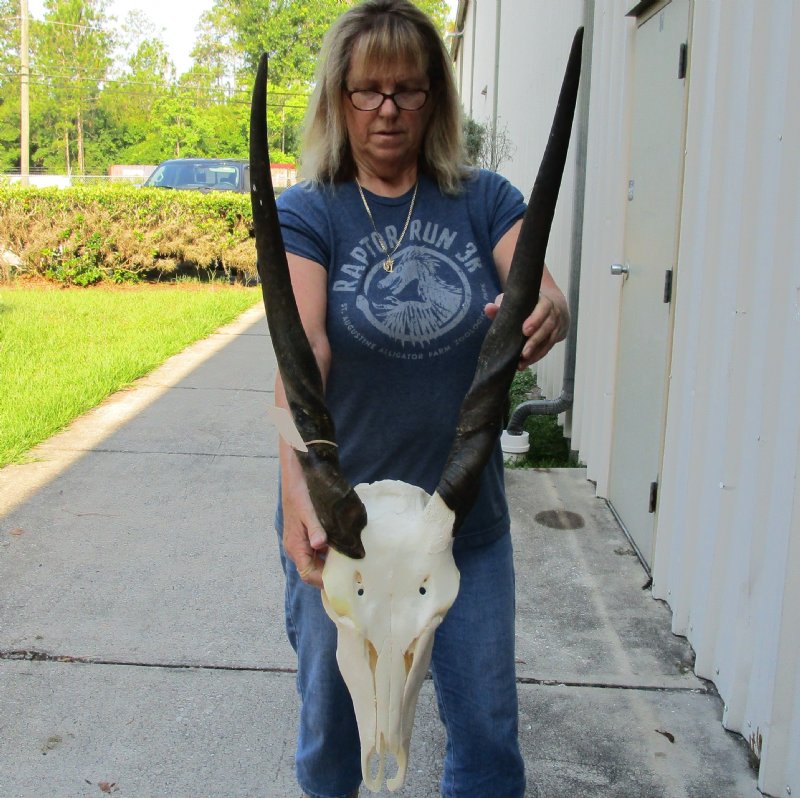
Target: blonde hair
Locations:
point(383, 31)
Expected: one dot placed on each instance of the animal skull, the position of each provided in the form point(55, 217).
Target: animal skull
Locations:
point(387, 607)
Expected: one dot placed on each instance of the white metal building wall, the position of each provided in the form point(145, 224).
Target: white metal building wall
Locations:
point(507, 76)
point(728, 528)
point(528, 89)
point(603, 236)
point(477, 50)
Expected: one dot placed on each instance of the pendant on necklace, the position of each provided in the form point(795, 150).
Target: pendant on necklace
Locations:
point(388, 264)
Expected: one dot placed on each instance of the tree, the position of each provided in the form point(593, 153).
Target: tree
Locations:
point(286, 110)
point(127, 103)
point(437, 10)
point(9, 85)
point(291, 31)
point(72, 47)
point(216, 57)
point(142, 41)
point(97, 99)
point(177, 123)
point(234, 35)
point(489, 146)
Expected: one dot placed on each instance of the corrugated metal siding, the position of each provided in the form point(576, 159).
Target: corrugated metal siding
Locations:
point(727, 557)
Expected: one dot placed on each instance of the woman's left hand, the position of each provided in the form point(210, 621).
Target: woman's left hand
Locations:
point(544, 328)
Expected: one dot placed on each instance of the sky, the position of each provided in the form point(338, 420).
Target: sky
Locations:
point(177, 19)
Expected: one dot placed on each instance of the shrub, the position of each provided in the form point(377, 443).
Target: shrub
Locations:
point(87, 234)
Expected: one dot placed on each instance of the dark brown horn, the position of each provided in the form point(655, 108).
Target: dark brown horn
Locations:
point(338, 507)
point(480, 419)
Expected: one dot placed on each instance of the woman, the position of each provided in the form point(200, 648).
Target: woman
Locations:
point(398, 256)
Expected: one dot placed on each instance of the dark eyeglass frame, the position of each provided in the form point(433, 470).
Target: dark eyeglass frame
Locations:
point(384, 97)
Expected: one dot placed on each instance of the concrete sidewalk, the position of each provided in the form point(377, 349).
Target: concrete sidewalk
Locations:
point(142, 651)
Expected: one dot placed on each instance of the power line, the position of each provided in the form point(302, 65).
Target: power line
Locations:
point(71, 87)
point(56, 22)
point(122, 79)
point(118, 86)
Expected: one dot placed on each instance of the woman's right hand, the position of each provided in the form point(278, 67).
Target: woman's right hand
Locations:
point(304, 539)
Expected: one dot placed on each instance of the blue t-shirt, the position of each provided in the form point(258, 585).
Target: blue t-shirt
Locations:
point(404, 344)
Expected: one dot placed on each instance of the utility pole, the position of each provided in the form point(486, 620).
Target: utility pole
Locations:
point(24, 103)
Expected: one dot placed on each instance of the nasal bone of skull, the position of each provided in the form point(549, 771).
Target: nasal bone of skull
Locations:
point(399, 674)
point(387, 607)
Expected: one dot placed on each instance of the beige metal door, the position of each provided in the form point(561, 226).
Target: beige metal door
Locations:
point(651, 237)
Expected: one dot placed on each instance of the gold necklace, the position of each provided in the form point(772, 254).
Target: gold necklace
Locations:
point(388, 264)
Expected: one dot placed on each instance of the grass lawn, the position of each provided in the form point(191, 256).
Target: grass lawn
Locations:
point(62, 351)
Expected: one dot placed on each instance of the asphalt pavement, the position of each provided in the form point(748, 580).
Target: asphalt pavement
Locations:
point(142, 649)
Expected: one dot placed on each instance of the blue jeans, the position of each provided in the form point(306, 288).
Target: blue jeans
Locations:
point(473, 673)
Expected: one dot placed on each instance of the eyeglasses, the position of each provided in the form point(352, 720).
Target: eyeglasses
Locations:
point(406, 100)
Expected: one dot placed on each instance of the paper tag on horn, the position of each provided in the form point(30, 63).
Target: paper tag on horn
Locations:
point(284, 423)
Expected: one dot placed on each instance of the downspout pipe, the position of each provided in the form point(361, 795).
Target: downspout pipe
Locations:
point(496, 87)
point(514, 440)
point(553, 407)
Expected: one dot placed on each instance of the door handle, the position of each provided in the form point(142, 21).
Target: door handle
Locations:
point(618, 269)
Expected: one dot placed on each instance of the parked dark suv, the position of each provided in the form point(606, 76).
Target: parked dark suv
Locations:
point(202, 174)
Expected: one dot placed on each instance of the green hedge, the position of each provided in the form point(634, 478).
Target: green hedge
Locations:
point(88, 234)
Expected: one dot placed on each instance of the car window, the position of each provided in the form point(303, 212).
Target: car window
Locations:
point(163, 175)
point(219, 177)
point(209, 175)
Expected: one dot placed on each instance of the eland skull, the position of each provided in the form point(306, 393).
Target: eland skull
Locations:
point(390, 578)
point(387, 607)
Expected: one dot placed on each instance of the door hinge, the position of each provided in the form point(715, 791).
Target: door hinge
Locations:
point(683, 57)
point(668, 286)
point(653, 497)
